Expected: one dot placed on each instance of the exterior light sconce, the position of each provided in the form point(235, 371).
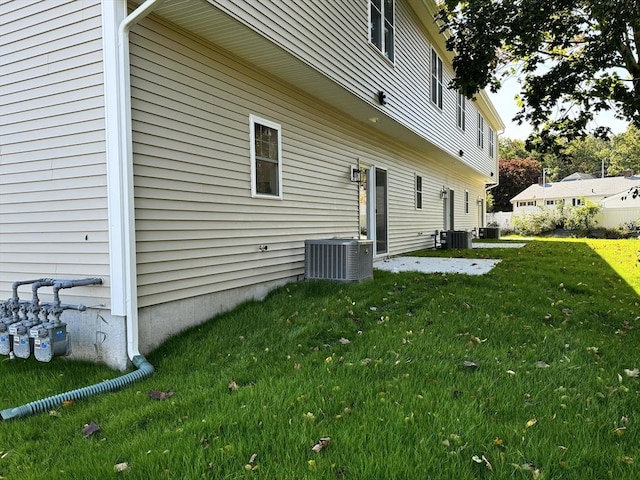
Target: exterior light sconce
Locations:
point(382, 98)
point(356, 174)
point(443, 193)
point(460, 152)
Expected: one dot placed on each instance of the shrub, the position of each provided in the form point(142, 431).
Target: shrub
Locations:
point(582, 218)
point(627, 230)
point(535, 223)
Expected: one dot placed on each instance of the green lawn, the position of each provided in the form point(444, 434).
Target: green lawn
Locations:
point(530, 371)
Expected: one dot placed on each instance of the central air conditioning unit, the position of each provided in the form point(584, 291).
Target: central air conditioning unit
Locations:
point(339, 259)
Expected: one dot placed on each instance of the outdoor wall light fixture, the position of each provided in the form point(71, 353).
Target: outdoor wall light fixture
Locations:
point(443, 192)
point(356, 174)
point(460, 152)
point(382, 97)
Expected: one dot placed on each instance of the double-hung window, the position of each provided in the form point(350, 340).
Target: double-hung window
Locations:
point(418, 192)
point(266, 158)
point(461, 111)
point(492, 142)
point(480, 130)
point(381, 26)
point(436, 79)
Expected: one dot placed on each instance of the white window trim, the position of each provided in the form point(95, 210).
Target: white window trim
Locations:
point(461, 111)
point(276, 126)
point(480, 131)
point(492, 143)
point(419, 192)
point(381, 49)
point(438, 78)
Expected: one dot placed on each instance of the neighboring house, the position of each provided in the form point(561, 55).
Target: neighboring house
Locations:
point(622, 208)
point(580, 188)
point(184, 153)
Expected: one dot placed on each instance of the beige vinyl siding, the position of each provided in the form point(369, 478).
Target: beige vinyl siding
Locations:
point(198, 229)
point(335, 42)
point(53, 214)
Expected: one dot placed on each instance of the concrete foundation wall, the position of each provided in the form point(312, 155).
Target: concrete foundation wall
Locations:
point(159, 322)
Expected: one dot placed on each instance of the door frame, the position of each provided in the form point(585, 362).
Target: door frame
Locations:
point(371, 197)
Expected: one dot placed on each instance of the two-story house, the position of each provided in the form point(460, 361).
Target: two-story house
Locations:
point(183, 151)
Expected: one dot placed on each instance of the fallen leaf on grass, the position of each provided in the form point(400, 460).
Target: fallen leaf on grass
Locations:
point(531, 422)
point(90, 429)
point(536, 473)
point(233, 386)
point(541, 364)
point(121, 467)
point(158, 395)
point(345, 341)
point(632, 373)
point(323, 442)
point(470, 364)
point(618, 432)
point(252, 465)
point(482, 460)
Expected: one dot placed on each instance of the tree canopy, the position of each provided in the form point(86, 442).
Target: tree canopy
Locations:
point(584, 155)
point(576, 58)
point(519, 168)
point(515, 175)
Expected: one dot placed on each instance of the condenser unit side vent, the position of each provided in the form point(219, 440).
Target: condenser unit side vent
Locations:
point(342, 260)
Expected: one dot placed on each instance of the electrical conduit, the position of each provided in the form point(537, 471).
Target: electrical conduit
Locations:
point(143, 367)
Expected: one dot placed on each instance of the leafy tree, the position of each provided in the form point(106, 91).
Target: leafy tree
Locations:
point(625, 152)
point(584, 155)
point(510, 149)
point(514, 176)
point(577, 57)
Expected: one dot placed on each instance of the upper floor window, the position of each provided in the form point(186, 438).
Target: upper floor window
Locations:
point(492, 142)
point(418, 191)
point(480, 130)
point(436, 79)
point(266, 158)
point(381, 26)
point(461, 110)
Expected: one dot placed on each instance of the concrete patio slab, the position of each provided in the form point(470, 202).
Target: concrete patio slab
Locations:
point(467, 266)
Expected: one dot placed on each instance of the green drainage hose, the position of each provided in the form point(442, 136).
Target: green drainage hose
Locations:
point(144, 369)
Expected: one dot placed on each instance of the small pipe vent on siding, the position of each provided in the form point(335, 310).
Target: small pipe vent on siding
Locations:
point(338, 259)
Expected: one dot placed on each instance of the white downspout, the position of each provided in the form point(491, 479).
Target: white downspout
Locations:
point(122, 239)
point(126, 159)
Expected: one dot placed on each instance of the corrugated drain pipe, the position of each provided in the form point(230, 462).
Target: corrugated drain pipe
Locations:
point(143, 367)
